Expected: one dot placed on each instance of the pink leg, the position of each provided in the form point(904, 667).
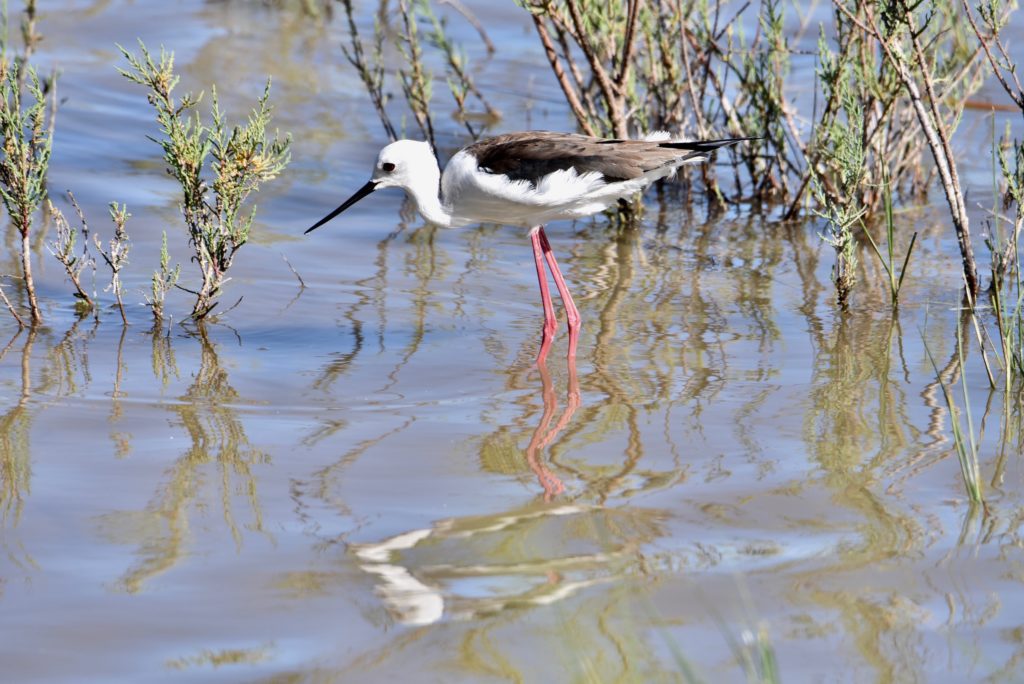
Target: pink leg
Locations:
point(571, 312)
point(550, 323)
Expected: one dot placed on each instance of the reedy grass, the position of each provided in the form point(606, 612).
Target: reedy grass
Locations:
point(980, 336)
point(1003, 246)
point(966, 446)
point(926, 48)
point(888, 262)
point(460, 82)
point(240, 159)
point(753, 649)
point(1008, 154)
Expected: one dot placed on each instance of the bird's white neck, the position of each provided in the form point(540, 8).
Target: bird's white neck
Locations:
point(429, 205)
point(423, 187)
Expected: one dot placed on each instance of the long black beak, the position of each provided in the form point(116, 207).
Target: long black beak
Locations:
point(360, 194)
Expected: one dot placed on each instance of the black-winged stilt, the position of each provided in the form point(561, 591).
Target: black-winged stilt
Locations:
point(528, 179)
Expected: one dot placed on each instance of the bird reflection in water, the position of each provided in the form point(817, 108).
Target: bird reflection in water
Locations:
point(542, 435)
point(427, 574)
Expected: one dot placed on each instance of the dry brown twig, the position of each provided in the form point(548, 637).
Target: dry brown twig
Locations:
point(570, 92)
point(610, 64)
point(371, 75)
point(1014, 90)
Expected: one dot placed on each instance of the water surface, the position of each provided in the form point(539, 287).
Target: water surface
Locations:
point(368, 479)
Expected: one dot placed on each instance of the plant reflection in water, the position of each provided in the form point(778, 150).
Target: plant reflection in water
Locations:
point(208, 412)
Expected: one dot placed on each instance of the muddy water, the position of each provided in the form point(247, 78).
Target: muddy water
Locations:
point(366, 478)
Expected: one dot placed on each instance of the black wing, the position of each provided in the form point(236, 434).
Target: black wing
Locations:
point(532, 155)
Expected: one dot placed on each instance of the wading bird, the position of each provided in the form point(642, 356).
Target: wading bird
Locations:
point(528, 179)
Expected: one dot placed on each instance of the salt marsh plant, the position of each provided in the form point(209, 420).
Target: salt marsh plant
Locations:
point(1007, 218)
point(416, 80)
point(27, 140)
point(116, 253)
point(460, 82)
point(927, 50)
point(163, 280)
point(994, 15)
point(605, 36)
point(842, 143)
point(75, 262)
point(909, 68)
point(239, 159)
point(370, 67)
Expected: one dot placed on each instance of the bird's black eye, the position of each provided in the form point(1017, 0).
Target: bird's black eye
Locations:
point(387, 167)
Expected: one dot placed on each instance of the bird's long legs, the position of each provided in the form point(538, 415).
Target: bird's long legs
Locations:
point(550, 324)
point(542, 252)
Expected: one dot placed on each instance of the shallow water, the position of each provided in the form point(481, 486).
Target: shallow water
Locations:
point(367, 479)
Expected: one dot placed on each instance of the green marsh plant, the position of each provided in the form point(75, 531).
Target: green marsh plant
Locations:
point(116, 253)
point(415, 77)
point(1005, 287)
point(840, 222)
point(163, 280)
point(217, 166)
point(590, 47)
point(75, 263)
point(994, 16)
point(460, 82)
point(926, 47)
point(764, 73)
point(836, 191)
point(27, 140)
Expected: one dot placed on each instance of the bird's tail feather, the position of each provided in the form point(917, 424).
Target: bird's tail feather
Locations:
point(703, 145)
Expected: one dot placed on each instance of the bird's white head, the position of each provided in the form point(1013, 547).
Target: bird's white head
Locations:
point(407, 164)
